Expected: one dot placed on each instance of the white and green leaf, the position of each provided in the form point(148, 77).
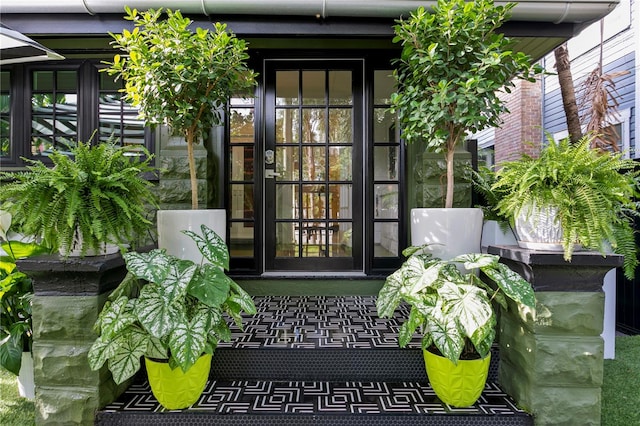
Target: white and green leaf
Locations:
point(155, 315)
point(466, 305)
point(211, 286)
point(512, 284)
point(212, 247)
point(126, 361)
point(188, 340)
point(152, 266)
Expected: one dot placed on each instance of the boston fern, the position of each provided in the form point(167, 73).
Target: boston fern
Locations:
point(169, 309)
point(96, 192)
point(452, 309)
point(594, 193)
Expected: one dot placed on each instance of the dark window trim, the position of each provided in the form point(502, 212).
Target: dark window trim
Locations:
point(88, 108)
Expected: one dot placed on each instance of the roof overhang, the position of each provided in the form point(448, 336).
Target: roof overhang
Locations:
point(537, 27)
point(544, 11)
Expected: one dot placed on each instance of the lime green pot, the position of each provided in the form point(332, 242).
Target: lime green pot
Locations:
point(175, 389)
point(458, 385)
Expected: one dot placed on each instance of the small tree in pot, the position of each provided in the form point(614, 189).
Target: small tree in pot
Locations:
point(178, 77)
point(454, 63)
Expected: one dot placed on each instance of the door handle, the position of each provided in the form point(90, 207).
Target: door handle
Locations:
point(270, 174)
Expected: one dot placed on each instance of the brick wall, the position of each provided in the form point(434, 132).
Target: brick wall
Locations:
point(521, 131)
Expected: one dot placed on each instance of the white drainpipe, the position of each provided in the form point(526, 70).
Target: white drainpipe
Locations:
point(543, 11)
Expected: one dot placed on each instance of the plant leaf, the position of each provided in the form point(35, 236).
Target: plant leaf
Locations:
point(513, 285)
point(211, 286)
point(212, 247)
point(188, 339)
point(467, 305)
point(126, 361)
point(152, 266)
point(155, 315)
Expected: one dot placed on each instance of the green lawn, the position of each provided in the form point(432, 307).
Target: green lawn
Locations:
point(620, 391)
point(14, 411)
point(621, 387)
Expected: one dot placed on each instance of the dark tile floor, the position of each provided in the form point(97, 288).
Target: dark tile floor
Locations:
point(317, 323)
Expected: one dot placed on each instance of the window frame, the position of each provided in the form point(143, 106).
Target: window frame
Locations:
point(20, 116)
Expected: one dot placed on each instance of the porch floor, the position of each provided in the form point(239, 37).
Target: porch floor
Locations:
point(317, 360)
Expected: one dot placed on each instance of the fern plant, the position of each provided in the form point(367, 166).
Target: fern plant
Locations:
point(594, 193)
point(97, 193)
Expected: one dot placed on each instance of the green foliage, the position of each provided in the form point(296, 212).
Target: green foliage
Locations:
point(453, 310)
point(453, 65)
point(620, 390)
point(16, 292)
point(96, 192)
point(168, 308)
point(594, 192)
point(178, 77)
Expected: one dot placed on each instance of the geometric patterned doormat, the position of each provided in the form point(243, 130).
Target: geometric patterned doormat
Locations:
point(253, 397)
point(315, 322)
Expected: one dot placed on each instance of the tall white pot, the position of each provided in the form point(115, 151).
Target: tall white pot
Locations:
point(449, 232)
point(172, 222)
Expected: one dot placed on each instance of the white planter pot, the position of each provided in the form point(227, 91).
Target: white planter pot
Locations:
point(172, 222)
point(449, 232)
point(494, 235)
point(76, 248)
point(537, 229)
point(26, 385)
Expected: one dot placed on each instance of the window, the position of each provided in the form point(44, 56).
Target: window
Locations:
point(118, 120)
point(5, 114)
point(241, 179)
point(54, 111)
point(386, 166)
point(621, 126)
point(52, 106)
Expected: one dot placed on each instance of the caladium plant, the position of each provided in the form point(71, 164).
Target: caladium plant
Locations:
point(169, 309)
point(453, 309)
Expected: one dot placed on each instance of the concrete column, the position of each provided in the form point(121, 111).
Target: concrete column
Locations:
point(68, 296)
point(551, 359)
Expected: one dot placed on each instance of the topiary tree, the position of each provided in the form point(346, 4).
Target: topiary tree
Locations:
point(178, 77)
point(452, 67)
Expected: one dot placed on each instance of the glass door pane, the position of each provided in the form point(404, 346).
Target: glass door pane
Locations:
point(313, 135)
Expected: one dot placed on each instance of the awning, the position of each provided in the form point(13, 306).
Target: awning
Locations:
point(15, 47)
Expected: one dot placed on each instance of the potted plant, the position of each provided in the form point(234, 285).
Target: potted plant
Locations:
point(452, 307)
point(182, 79)
point(572, 195)
point(16, 291)
point(171, 311)
point(497, 229)
point(93, 201)
point(453, 65)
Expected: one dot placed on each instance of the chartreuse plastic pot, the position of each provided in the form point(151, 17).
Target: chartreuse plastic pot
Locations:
point(458, 385)
point(175, 389)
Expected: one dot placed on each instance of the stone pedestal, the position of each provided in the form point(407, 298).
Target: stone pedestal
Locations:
point(551, 359)
point(68, 296)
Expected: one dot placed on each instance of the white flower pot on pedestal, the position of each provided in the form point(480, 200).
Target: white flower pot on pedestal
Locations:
point(172, 222)
point(449, 232)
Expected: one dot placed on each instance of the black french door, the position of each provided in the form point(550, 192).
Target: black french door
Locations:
point(313, 156)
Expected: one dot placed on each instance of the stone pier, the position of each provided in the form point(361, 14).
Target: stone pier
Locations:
point(68, 296)
point(551, 359)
